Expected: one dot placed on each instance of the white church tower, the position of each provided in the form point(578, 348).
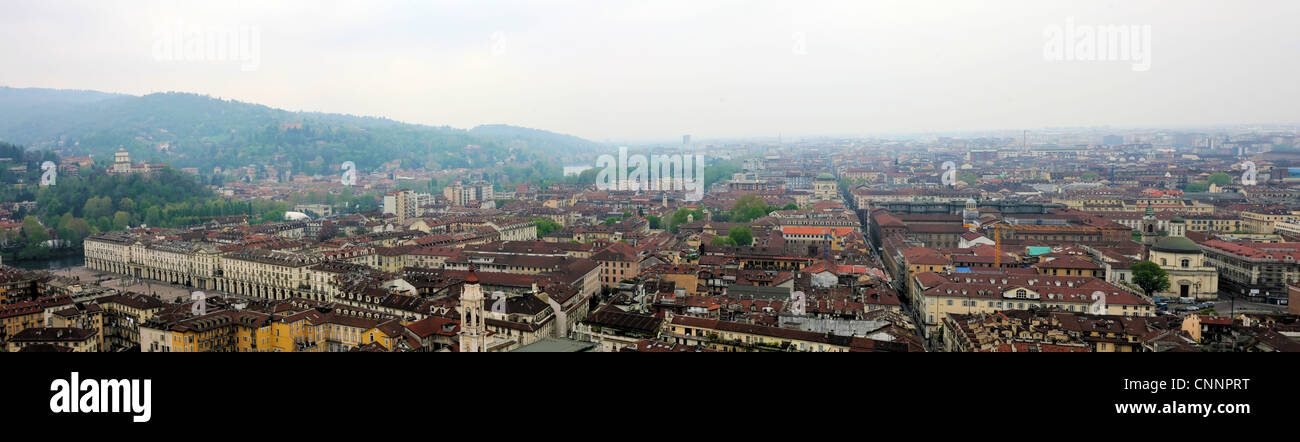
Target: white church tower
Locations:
point(473, 332)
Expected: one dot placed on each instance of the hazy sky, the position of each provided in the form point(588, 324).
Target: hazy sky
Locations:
point(654, 70)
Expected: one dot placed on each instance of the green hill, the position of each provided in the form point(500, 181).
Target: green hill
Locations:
point(189, 130)
point(537, 139)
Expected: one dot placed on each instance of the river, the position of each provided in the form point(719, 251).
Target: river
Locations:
point(61, 262)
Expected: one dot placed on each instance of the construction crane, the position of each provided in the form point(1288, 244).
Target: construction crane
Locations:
point(997, 244)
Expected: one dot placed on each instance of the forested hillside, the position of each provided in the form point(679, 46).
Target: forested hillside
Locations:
point(188, 130)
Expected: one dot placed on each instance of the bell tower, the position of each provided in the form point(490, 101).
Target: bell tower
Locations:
point(1177, 227)
point(473, 332)
point(1149, 232)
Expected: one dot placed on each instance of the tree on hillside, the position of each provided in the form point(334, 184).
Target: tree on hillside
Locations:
point(34, 234)
point(33, 231)
point(97, 207)
point(73, 230)
point(121, 220)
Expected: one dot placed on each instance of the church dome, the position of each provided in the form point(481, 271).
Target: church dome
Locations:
point(1176, 244)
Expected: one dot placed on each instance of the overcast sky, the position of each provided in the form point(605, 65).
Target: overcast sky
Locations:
point(654, 70)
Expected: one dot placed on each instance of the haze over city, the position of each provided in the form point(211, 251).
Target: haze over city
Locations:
point(650, 71)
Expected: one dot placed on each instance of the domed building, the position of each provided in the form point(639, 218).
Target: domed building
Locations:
point(825, 188)
point(1183, 260)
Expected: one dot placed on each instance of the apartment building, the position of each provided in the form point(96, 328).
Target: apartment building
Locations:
point(266, 274)
point(462, 193)
point(934, 295)
point(76, 339)
point(1254, 269)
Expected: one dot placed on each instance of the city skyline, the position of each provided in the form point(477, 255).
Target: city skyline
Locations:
point(903, 186)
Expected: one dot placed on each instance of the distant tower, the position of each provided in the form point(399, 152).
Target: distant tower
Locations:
point(970, 216)
point(121, 161)
point(1149, 232)
point(686, 140)
point(473, 332)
